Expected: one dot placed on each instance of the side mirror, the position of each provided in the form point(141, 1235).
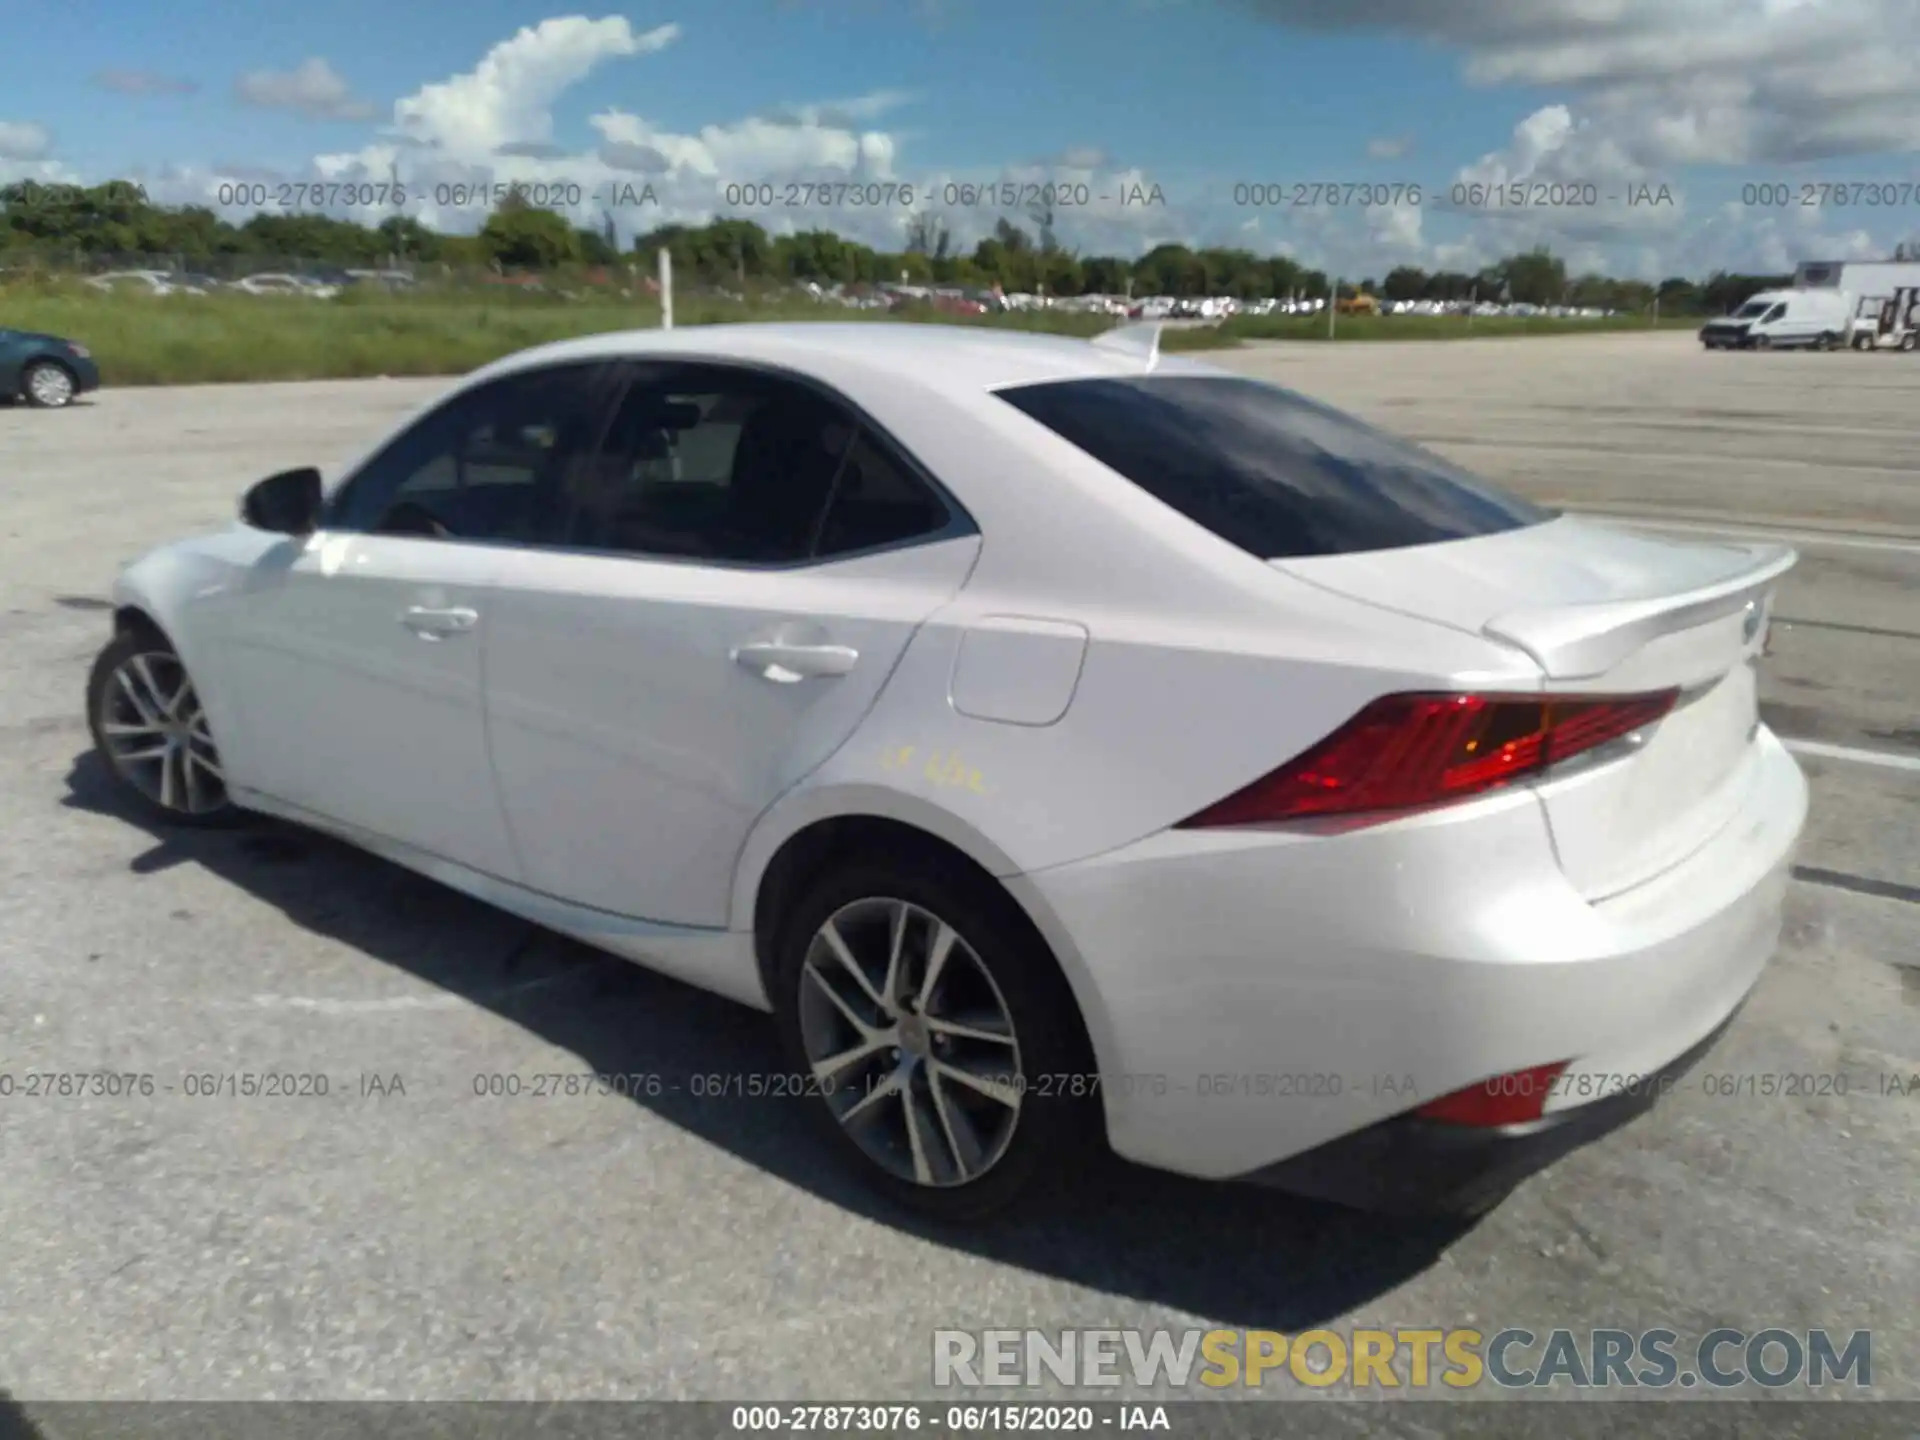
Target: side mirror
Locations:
point(286, 504)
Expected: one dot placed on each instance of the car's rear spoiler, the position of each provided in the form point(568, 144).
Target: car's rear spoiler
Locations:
point(1573, 641)
point(1140, 340)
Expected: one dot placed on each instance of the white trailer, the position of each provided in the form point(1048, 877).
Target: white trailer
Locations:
point(1861, 277)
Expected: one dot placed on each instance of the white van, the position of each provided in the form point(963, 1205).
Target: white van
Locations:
point(1778, 319)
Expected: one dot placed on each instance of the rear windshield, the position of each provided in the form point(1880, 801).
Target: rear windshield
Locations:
point(1268, 470)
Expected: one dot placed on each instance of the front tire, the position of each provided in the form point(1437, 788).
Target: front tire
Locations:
point(942, 1041)
point(48, 385)
point(150, 730)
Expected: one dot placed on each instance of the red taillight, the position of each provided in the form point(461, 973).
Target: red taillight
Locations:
point(1404, 751)
point(1510, 1099)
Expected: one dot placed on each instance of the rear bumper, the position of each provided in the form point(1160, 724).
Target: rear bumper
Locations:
point(1411, 1166)
point(1254, 995)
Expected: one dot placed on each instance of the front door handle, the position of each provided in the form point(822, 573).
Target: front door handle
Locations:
point(785, 662)
point(431, 624)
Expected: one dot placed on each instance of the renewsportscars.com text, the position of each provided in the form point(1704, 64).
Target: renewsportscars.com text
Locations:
point(1457, 1359)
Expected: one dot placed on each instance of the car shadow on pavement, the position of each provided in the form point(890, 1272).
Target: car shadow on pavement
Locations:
point(1235, 1254)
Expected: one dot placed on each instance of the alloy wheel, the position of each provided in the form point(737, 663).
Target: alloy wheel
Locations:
point(911, 1042)
point(49, 385)
point(156, 735)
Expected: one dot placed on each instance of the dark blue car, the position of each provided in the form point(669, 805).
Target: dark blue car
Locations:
point(44, 370)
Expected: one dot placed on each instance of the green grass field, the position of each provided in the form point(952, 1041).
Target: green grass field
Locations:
point(173, 340)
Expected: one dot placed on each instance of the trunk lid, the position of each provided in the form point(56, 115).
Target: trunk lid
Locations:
point(1603, 610)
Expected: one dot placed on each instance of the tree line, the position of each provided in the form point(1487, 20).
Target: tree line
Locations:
point(61, 223)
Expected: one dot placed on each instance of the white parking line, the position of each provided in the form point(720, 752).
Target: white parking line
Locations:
point(1882, 758)
point(1814, 538)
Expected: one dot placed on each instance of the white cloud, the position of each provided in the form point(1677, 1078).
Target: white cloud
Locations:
point(507, 98)
point(755, 148)
point(250, 174)
point(1682, 81)
point(841, 114)
point(311, 89)
point(1562, 178)
point(1396, 227)
point(1082, 157)
point(23, 140)
point(1388, 147)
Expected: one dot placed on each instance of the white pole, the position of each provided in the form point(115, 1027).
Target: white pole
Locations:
point(666, 288)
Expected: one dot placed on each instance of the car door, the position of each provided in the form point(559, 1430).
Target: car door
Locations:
point(727, 588)
point(356, 654)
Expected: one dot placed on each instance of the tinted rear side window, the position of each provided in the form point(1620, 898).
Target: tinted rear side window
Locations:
point(1268, 470)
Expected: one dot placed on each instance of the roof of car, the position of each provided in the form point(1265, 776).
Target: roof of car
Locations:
point(943, 357)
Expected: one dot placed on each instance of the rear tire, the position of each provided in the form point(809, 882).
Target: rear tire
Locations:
point(882, 1061)
point(1909, 342)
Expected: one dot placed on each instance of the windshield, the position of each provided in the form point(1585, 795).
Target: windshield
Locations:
point(1752, 310)
point(1268, 470)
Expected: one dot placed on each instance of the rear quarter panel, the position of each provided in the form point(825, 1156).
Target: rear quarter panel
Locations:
point(1170, 713)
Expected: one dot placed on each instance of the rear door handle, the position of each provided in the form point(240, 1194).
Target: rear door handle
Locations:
point(432, 624)
point(784, 662)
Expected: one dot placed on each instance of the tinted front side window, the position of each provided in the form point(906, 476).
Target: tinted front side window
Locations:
point(487, 465)
point(1268, 470)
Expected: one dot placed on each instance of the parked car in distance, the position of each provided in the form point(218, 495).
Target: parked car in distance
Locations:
point(45, 370)
point(151, 282)
point(280, 284)
point(1068, 744)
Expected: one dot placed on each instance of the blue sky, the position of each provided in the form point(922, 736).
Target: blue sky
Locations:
point(1682, 102)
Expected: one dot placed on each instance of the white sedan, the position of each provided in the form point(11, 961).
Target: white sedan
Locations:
point(1067, 745)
